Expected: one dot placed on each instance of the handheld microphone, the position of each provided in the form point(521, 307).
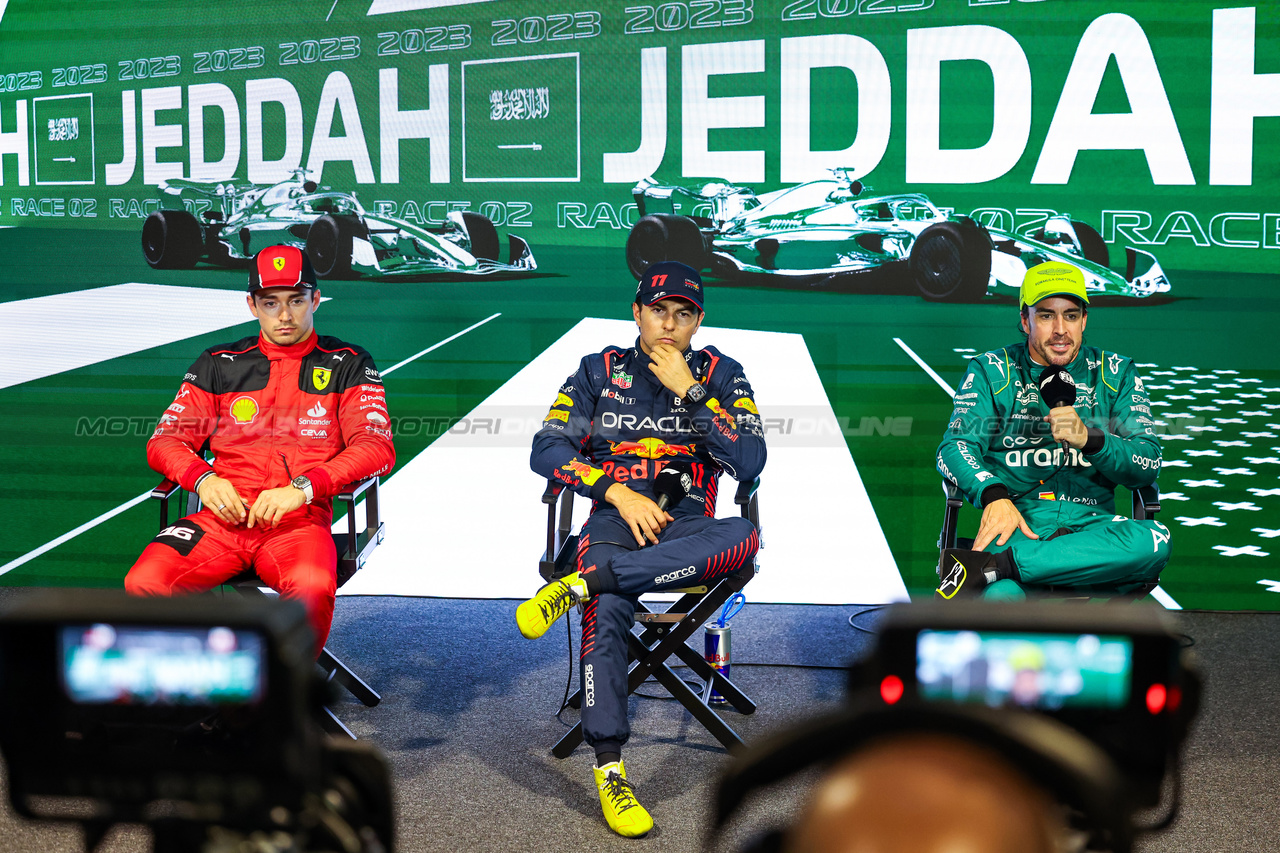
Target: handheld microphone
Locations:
point(671, 485)
point(1057, 389)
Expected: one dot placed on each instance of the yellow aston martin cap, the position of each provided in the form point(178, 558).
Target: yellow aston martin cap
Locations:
point(1053, 278)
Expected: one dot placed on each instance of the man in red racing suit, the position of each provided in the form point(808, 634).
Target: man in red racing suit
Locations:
point(291, 417)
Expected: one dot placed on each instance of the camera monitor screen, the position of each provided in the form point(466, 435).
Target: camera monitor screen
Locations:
point(149, 665)
point(1031, 670)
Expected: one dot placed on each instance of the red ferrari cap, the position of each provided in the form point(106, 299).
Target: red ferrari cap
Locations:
point(281, 266)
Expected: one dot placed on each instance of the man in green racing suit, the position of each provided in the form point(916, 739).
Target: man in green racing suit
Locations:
point(1045, 478)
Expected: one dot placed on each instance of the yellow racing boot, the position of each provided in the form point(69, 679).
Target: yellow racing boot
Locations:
point(622, 811)
point(554, 600)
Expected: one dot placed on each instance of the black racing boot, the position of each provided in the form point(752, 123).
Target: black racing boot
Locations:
point(965, 574)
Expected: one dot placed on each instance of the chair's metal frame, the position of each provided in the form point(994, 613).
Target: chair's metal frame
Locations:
point(663, 633)
point(353, 547)
point(1146, 503)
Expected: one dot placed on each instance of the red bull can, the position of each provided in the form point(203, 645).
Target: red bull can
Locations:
point(717, 651)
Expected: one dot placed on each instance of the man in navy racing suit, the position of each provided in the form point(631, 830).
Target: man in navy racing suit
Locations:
point(619, 420)
point(1003, 448)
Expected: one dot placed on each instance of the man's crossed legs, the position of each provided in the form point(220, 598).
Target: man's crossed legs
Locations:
point(1078, 549)
point(612, 572)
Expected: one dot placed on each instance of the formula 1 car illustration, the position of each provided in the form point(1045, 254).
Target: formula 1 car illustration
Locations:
point(827, 231)
point(226, 223)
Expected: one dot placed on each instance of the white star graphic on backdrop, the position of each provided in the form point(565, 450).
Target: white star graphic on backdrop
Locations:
point(1220, 371)
point(1242, 379)
point(1228, 402)
point(1185, 369)
point(1202, 452)
point(1175, 463)
point(1263, 460)
point(1203, 428)
point(1272, 586)
point(1179, 496)
point(1247, 551)
point(1226, 385)
point(1203, 391)
point(1270, 390)
point(1204, 408)
point(1222, 443)
point(1267, 533)
point(1210, 520)
point(1191, 484)
point(1160, 403)
point(1227, 506)
point(1260, 493)
point(1258, 434)
point(1177, 438)
point(1230, 421)
point(1251, 396)
point(1227, 472)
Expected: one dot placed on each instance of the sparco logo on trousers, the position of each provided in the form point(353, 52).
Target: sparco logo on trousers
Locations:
point(589, 679)
point(677, 574)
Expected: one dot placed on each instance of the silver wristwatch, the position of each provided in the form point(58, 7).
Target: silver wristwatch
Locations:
point(304, 484)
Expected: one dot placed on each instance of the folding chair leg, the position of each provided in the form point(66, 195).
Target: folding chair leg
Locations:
point(334, 726)
point(675, 638)
point(651, 660)
point(694, 704)
point(341, 673)
point(567, 744)
point(722, 685)
point(690, 700)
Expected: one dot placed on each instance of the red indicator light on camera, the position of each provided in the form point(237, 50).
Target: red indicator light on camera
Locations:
point(1156, 696)
point(891, 689)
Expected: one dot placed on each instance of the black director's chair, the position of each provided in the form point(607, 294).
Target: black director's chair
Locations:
point(1146, 503)
point(353, 547)
point(662, 634)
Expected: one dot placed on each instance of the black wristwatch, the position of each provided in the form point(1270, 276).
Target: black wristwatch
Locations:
point(304, 484)
point(696, 393)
